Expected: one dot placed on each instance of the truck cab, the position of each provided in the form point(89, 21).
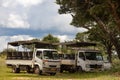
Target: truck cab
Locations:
point(89, 60)
point(47, 60)
point(83, 60)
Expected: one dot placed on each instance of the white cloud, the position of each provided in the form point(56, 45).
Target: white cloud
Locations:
point(8, 3)
point(34, 14)
point(20, 37)
point(63, 23)
point(16, 21)
point(5, 39)
point(24, 3)
point(3, 44)
point(64, 38)
point(29, 3)
point(46, 17)
point(14, 13)
point(13, 20)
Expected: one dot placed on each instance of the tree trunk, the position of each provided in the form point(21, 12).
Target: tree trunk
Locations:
point(118, 51)
point(116, 44)
point(112, 37)
point(114, 7)
point(109, 52)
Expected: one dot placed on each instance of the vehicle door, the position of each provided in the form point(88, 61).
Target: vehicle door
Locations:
point(81, 60)
point(38, 58)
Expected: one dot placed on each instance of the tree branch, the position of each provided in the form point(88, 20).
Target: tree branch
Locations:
point(114, 7)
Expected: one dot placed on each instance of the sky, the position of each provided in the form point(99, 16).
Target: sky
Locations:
point(29, 19)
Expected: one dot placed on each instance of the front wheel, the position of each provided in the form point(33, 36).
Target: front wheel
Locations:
point(37, 70)
point(80, 69)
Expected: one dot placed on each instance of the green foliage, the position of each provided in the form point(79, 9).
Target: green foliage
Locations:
point(51, 39)
point(82, 37)
point(4, 52)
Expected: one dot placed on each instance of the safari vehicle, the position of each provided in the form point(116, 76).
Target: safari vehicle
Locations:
point(39, 60)
point(83, 59)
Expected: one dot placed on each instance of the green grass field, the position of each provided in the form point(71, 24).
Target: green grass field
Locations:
point(113, 74)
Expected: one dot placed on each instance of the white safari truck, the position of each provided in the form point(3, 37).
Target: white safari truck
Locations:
point(38, 60)
point(82, 59)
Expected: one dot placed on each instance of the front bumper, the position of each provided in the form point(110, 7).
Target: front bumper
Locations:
point(93, 68)
point(51, 70)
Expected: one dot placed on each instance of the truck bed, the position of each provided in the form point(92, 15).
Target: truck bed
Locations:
point(67, 62)
point(19, 62)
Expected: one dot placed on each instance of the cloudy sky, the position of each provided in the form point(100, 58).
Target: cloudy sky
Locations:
point(28, 19)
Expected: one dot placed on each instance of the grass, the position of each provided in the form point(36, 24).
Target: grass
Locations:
point(113, 74)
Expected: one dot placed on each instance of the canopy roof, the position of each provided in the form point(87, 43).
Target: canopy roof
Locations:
point(40, 44)
point(78, 44)
point(37, 44)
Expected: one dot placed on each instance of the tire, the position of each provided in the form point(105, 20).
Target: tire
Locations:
point(16, 70)
point(37, 70)
point(80, 69)
point(52, 74)
point(72, 71)
point(61, 70)
point(29, 69)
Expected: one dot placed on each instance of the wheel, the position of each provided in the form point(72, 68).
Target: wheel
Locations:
point(52, 74)
point(16, 70)
point(29, 69)
point(37, 70)
point(61, 70)
point(80, 69)
point(72, 71)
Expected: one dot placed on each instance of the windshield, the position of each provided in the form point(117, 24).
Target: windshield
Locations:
point(93, 56)
point(50, 55)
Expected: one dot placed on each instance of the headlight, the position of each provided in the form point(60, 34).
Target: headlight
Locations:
point(87, 66)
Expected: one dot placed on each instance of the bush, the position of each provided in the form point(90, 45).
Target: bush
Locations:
point(115, 65)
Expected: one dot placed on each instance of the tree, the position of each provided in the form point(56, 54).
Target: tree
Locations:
point(96, 35)
point(89, 13)
point(82, 37)
point(51, 39)
point(4, 52)
point(100, 37)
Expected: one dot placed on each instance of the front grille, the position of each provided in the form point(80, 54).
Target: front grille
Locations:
point(52, 65)
point(95, 66)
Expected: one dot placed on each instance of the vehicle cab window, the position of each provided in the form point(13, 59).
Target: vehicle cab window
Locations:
point(39, 54)
point(81, 55)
